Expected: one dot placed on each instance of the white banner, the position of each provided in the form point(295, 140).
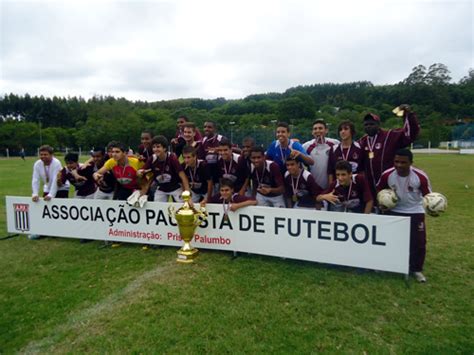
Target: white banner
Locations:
point(358, 240)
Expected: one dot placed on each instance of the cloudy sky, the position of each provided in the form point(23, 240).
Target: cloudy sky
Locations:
point(155, 50)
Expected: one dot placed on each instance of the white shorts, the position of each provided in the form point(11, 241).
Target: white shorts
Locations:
point(88, 197)
point(161, 196)
point(197, 197)
point(274, 201)
point(101, 195)
point(303, 208)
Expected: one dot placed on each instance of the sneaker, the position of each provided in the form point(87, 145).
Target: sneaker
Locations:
point(34, 237)
point(133, 198)
point(419, 276)
point(142, 201)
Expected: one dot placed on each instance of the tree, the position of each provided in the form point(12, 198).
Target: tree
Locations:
point(468, 79)
point(417, 76)
point(438, 74)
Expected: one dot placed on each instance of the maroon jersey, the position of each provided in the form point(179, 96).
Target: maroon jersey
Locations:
point(208, 144)
point(268, 176)
point(198, 176)
point(83, 187)
point(236, 198)
point(382, 148)
point(352, 198)
point(181, 142)
point(165, 172)
point(145, 152)
point(107, 184)
point(303, 188)
point(208, 152)
point(354, 155)
point(231, 170)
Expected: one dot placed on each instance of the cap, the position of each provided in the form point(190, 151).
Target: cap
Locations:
point(371, 116)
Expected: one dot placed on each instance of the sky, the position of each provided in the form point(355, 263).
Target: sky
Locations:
point(160, 50)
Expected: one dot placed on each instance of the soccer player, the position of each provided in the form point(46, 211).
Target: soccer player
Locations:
point(349, 192)
point(347, 150)
point(410, 184)
point(178, 142)
point(208, 150)
point(247, 144)
point(144, 149)
point(82, 181)
point(189, 134)
point(379, 145)
point(230, 200)
point(106, 185)
point(124, 168)
point(47, 169)
point(283, 147)
point(228, 166)
point(22, 153)
point(198, 176)
point(166, 171)
point(301, 189)
point(267, 181)
point(244, 161)
point(319, 149)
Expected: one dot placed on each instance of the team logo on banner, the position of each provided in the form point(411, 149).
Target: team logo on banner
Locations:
point(22, 217)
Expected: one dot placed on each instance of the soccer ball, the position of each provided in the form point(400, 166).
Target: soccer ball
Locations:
point(387, 198)
point(435, 203)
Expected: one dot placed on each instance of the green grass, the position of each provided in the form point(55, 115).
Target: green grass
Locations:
point(57, 295)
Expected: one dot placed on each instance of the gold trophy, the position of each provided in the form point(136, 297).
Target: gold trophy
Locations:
point(188, 219)
point(398, 111)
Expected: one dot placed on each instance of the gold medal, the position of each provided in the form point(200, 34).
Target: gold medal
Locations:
point(294, 198)
point(399, 112)
point(371, 155)
point(226, 217)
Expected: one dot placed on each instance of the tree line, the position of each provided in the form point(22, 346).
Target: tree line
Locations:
point(74, 122)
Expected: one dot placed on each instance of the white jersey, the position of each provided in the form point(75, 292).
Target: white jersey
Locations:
point(409, 189)
point(49, 175)
point(319, 150)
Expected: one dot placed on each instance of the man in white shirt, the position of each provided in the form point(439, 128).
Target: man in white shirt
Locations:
point(319, 149)
point(410, 184)
point(46, 169)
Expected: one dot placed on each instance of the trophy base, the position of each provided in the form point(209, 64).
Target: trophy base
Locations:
point(186, 256)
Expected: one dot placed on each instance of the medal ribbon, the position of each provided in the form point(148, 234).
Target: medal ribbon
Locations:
point(295, 187)
point(371, 145)
point(346, 157)
point(263, 174)
point(46, 172)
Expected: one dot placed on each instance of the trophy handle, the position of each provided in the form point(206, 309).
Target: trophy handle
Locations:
point(171, 212)
point(200, 216)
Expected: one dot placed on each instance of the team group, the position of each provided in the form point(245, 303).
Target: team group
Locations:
point(322, 174)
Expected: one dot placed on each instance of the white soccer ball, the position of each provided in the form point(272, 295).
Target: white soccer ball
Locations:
point(387, 198)
point(435, 203)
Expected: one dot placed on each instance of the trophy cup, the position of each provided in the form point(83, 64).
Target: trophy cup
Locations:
point(188, 219)
point(398, 111)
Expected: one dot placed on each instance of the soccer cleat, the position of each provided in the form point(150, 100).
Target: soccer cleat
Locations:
point(142, 201)
point(34, 237)
point(419, 276)
point(133, 198)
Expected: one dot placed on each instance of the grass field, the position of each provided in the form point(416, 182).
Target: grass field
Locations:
point(57, 295)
